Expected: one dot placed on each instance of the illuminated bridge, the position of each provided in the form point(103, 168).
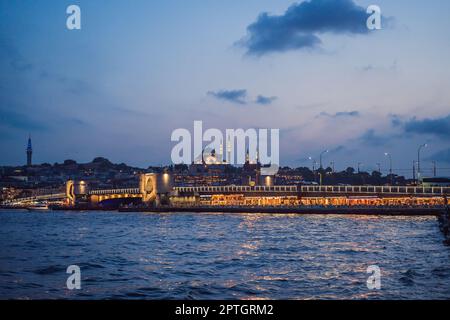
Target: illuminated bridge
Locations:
point(307, 190)
point(157, 189)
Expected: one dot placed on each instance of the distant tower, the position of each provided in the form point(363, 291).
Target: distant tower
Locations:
point(29, 152)
point(229, 160)
point(221, 152)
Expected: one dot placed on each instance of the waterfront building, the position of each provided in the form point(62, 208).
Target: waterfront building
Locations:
point(436, 182)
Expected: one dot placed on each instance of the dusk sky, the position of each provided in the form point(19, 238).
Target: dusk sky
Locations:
point(139, 69)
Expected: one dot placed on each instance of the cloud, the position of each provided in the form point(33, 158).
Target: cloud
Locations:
point(234, 96)
point(439, 127)
point(341, 114)
point(19, 120)
point(443, 155)
point(12, 56)
point(371, 138)
point(396, 120)
point(298, 27)
point(370, 67)
point(337, 149)
point(265, 100)
point(72, 85)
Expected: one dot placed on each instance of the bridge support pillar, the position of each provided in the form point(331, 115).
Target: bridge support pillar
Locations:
point(77, 192)
point(155, 188)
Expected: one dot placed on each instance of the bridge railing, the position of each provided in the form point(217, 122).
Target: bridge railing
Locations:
point(115, 191)
point(413, 190)
point(218, 189)
point(35, 198)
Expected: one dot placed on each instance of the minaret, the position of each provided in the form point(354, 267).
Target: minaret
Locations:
point(229, 160)
point(257, 155)
point(29, 152)
point(221, 152)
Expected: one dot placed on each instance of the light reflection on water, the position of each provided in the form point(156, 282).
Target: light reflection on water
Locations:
point(220, 256)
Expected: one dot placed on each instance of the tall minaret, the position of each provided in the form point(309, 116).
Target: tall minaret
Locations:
point(229, 160)
point(29, 152)
point(221, 157)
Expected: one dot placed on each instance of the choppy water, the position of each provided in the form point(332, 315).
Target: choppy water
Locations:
point(220, 256)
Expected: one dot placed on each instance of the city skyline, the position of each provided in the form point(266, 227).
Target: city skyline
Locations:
point(107, 89)
point(315, 164)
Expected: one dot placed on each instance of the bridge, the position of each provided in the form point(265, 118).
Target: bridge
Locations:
point(307, 190)
point(158, 189)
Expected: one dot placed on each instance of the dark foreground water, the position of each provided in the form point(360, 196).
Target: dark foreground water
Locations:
point(220, 256)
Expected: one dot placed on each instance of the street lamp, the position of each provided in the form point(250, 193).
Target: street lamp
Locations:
point(379, 167)
point(359, 165)
point(418, 160)
point(390, 161)
point(320, 158)
point(313, 163)
point(434, 169)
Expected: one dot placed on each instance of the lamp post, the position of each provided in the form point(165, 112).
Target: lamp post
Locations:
point(359, 165)
point(379, 167)
point(387, 154)
point(390, 161)
point(434, 169)
point(320, 158)
point(418, 160)
point(332, 166)
point(313, 163)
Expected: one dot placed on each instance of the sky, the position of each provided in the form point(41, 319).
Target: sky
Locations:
point(137, 70)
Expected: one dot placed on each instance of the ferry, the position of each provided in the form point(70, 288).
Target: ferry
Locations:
point(38, 207)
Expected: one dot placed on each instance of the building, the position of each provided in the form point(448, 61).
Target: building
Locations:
point(251, 171)
point(436, 182)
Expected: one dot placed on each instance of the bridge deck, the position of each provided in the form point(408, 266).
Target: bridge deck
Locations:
point(319, 191)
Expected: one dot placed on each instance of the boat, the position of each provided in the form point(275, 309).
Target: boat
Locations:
point(38, 207)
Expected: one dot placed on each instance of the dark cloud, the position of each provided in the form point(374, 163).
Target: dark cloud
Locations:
point(337, 149)
point(12, 56)
point(439, 127)
point(298, 27)
point(19, 120)
point(341, 114)
point(443, 156)
point(72, 85)
point(396, 121)
point(18, 65)
point(265, 100)
point(234, 96)
point(371, 138)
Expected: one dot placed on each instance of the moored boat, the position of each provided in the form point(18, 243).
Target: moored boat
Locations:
point(38, 207)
